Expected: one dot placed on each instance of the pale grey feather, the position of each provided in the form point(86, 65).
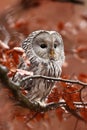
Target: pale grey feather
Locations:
point(41, 62)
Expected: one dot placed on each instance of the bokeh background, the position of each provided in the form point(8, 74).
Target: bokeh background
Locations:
point(70, 20)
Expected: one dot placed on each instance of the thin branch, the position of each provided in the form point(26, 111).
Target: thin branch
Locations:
point(55, 79)
point(15, 87)
point(37, 106)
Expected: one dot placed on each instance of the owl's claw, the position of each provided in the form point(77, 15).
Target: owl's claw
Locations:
point(41, 104)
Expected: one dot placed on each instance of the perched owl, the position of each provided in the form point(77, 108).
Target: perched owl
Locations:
point(45, 51)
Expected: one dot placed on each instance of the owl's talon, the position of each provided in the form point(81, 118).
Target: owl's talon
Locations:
point(39, 103)
point(42, 104)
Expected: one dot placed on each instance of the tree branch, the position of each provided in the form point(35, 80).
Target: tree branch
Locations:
point(37, 106)
point(55, 79)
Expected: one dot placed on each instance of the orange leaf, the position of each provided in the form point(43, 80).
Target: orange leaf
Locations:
point(54, 95)
point(83, 112)
point(82, 77)
point(59, 113)
point(69, 100)
point(60, 26)
point(82, 52)
point(22, 26)
point(10, 59)
point(24, 92)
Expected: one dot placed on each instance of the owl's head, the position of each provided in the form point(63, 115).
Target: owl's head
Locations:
point(45, 45)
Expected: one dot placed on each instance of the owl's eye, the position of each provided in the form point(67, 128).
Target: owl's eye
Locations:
point(55, 45)
point(43, 45)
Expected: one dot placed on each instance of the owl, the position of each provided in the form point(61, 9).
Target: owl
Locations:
point(45, 51)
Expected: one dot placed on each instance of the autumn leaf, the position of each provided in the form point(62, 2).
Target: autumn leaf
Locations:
point(82, 77)
point(60, 26)
point(59, 113)
point(81, 52)
point(24, 92)
point(10, 58)
point(83, 113)
point(68, 99)
point(54, 96)
point(22, 26)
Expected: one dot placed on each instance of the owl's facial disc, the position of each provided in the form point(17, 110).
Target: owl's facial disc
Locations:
point(47, 46)
point(40, 45)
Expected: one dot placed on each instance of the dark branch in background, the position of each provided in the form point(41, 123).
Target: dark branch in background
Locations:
point(26, 4)
point(71, 1)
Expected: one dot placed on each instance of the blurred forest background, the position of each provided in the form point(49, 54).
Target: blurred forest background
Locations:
point(21, 18)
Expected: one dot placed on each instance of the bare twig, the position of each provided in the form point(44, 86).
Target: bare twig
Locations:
point(55, 79)
point(35, 105)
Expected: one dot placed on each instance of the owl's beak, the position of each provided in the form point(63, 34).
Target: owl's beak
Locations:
point(51, 54)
